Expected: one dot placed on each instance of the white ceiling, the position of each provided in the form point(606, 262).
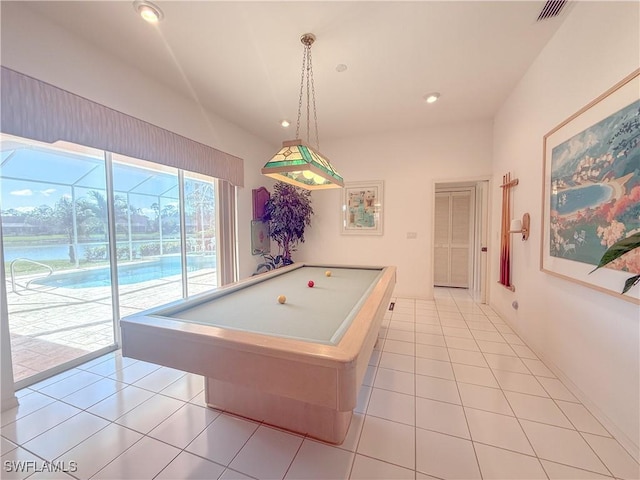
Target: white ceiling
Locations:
point(242, 60)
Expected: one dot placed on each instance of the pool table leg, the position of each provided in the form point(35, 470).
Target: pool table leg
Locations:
point(317, 421)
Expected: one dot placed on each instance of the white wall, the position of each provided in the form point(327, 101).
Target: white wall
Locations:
point(589, 338)
point(34, 46)
point(410, 163)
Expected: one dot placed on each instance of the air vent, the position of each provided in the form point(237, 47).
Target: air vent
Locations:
point(551, 9)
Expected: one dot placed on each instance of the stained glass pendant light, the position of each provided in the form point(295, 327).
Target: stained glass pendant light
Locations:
point(297, 163)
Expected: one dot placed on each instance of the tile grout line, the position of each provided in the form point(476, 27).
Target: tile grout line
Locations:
point(466, 419)
point(513, 411)
point(554, 402)
point(365, 414)
point(111, 422)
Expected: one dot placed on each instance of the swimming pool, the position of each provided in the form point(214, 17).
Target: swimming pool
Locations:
point(129, 273)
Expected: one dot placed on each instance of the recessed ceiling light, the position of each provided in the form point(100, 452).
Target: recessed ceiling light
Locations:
point(431, 97)
point(341, 67)
point(285, 123)
point(148, 11)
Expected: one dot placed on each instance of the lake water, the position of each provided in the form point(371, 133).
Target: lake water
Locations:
point(43, 252)
point(54, 252)
point(579, 198)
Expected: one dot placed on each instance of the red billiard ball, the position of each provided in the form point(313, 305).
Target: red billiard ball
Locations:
point(311, 284)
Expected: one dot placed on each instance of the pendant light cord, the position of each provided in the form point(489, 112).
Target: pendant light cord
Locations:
point(311, 93)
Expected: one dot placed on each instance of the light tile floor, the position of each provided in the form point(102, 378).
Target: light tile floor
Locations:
point(451, 392)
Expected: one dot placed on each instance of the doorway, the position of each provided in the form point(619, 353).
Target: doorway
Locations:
point(460, 236)
point(453, 238)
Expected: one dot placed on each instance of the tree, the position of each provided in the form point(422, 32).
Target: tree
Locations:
point(288, 212)
point(156, 209)
point(91, 217)
point(93, 211)
point(63, 214)
point(170, 219)
point(12, 212)
point(200, 209)
point(40, 216)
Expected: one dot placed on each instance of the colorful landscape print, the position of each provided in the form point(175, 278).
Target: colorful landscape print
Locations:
point(362, 208)
point(595, 190)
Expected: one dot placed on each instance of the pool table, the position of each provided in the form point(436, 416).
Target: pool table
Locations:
point(297, 365)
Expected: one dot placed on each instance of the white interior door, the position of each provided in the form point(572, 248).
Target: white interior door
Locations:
point(453, 238)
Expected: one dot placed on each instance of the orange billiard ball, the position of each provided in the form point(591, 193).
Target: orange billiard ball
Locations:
point(328, 273)
point(282, 299)
point(311, 284)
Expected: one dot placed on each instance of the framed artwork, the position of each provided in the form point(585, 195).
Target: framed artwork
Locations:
point(362, 208)
point(591, 191)
point(260, 197)
point(260, 241)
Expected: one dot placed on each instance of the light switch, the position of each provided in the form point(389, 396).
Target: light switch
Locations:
point(412, 235)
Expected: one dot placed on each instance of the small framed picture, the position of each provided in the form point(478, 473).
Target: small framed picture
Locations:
point(260, 241)
point(362, 208)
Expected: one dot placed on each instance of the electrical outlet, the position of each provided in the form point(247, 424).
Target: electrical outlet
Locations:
point(412, 235)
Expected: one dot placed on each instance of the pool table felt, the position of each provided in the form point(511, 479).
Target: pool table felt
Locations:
point(316, 314)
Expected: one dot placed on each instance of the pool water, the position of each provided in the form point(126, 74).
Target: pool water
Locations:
point(129, 273)
point(578, 198)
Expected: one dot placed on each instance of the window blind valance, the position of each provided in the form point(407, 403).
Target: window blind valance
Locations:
point(39, 111)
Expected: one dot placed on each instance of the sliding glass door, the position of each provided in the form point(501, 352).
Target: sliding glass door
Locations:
point(71, 218)
point(54, 219)
point(200, 230)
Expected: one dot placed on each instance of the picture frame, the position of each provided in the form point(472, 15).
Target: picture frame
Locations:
point(260, 197)
point(363, 208)
point(260, 240)
point(591, 191)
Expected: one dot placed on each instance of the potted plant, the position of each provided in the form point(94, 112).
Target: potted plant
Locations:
point(618, 249)
point(288, 212)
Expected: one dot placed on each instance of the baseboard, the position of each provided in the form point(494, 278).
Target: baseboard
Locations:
point(9, 403)
point(627, 443)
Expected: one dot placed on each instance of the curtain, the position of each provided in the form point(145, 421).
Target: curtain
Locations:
point(227, 250)
point(34, 109)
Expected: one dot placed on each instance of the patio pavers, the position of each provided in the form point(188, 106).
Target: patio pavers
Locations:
point(51, 326)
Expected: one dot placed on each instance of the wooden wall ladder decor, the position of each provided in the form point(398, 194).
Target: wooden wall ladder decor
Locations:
point(505, 238)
